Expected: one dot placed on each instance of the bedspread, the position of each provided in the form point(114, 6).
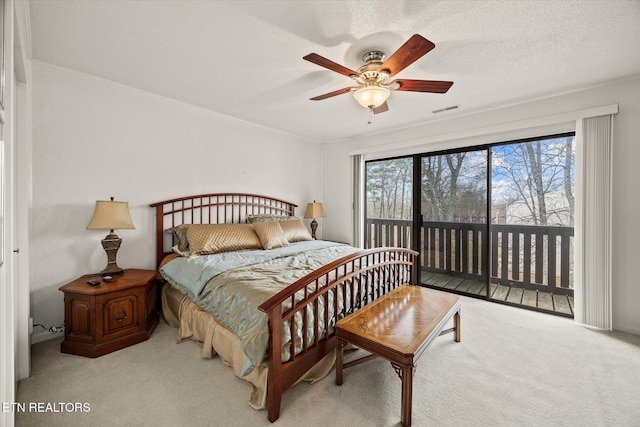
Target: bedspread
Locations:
point(234, 295)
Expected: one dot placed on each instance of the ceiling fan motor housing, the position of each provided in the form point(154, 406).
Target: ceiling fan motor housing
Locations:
point(374, 56)
point(368, 74)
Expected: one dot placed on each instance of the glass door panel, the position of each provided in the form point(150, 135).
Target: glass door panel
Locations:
point(454, 226)
point(389, 205)
point(532, 223)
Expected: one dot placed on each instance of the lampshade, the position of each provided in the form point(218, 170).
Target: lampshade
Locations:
point(110, 215)
point(314, 210)
point(371, 96)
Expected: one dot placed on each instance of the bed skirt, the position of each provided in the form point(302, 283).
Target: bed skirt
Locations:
point(196, 324)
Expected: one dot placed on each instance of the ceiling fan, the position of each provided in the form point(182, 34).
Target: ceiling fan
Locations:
point(374, 77)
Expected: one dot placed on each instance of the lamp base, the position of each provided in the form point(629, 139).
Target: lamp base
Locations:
point(111, 244)
point(111, 270)
point(314, 227)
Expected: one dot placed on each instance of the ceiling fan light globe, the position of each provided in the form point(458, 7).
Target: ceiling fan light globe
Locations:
point(371, 96)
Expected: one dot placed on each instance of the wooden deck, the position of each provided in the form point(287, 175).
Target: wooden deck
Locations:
point(556, 304)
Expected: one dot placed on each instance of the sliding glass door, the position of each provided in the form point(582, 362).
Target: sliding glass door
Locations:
point(494, 222)
point(532, 225)
point(453, 223)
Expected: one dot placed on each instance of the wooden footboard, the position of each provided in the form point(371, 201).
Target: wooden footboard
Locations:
point(318, 300)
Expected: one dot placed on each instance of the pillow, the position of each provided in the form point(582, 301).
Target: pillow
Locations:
point(270, 234)
point(295, 231)
point(177, 251)
point(214, 238)
point(180, 238)
point(269, 218)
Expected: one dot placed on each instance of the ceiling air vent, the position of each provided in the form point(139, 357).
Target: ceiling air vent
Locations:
point(453, 107)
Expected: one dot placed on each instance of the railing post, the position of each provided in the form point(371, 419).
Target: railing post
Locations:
point(565, 261)
point(526, 259)
point(551, 260)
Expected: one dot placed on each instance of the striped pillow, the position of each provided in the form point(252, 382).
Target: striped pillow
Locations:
point(269, 218)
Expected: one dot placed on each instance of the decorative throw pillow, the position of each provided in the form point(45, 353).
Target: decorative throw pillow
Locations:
point(214, 238)
point(295, 231)
point(269, 218)
point(270, 234)
point(180, 237)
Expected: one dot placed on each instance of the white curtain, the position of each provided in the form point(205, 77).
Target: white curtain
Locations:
point(358, 202)
point(593, 222)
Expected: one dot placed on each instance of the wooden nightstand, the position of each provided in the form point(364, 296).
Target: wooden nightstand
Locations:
point(110, 316)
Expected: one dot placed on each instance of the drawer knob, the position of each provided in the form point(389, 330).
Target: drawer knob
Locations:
point(121, 315)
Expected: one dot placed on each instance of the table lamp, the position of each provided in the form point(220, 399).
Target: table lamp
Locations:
point(111, 215)
point(314, 210)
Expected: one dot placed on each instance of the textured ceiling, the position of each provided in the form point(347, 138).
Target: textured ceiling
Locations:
point(244, 58)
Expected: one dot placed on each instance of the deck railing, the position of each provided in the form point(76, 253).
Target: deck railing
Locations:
point(524, 256)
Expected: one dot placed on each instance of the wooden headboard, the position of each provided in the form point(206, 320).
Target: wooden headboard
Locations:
point(221, 208)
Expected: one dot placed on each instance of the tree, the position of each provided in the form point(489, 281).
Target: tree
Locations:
point(536, 180)
point(388, 187)
point(454, 187)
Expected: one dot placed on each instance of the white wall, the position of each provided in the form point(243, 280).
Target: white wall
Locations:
point(626, 174)
point(93, 139)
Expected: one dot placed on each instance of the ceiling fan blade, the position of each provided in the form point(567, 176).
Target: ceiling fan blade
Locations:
point(327, 63)
point(381, 108)
point(330, 94)
point(413, 49)
point(433, 86)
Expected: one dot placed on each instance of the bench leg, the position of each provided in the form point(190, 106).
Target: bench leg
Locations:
point(456, 326)
point(407, 395)
point(339, 366)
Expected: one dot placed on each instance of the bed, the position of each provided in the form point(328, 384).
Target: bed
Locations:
point(284, 300)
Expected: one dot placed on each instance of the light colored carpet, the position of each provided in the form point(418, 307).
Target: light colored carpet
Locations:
point(513, 368)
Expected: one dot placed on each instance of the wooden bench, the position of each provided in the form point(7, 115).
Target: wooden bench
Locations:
point(399, 327)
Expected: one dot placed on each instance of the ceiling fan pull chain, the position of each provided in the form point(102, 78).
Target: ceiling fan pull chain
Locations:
point(370, 115)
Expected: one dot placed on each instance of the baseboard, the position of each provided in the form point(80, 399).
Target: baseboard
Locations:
point(44, 336)
point(627, 329)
